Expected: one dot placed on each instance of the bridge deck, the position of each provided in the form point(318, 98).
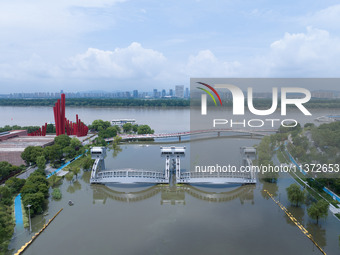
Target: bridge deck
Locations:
point(129, 176)
point(260, 132)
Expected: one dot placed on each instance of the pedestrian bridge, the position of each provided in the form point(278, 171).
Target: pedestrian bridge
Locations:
point(172, 170)
point(179, 135)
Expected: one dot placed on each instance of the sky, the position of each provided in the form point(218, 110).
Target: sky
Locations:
point(121, 45)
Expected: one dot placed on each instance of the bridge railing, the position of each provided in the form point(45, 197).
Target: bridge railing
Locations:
point(240, 174)
point(130, 173)
point(95, 168)
point(192, 132)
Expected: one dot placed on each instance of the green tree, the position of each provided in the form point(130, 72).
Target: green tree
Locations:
point(115, 142)
point(6, 228)
point(318, 210)
point(5, 195)
point(56, 194)
point(295, 194)
point(69, 176)
point(87, 162)
point(109, 132)
point(98, 125)
point(144, 129)
point(135, 128)
point(62, 140)
point(7, 169)
point(309, 125)
point(53, 180)
point(31, 153)
point(41, 162)
point(69, 152)
point(127, 127)
point(76, 171)
point(36, 182)
point(15, 184)
point(75, 144)
point(36, 200)
point(50, 129)
point(28, 188)
point(54, 153)
point(100, 142)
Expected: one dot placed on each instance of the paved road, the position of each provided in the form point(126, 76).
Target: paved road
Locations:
point(27, 173)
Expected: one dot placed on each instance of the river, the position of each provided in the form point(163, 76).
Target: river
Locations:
point(181, 219)
point(160, 119)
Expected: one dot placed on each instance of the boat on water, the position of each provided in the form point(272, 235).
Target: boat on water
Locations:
point(325, 119)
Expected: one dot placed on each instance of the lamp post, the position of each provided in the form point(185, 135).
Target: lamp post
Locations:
point(29, 216)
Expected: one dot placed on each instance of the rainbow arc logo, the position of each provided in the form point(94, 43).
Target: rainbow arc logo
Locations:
point(209, 93)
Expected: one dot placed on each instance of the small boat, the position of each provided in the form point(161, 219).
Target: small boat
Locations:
point(325, 119)
point(70, 203)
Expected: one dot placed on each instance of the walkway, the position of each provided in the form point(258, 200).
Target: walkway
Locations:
point(260, 132)
point(332, 208)
point(18, 211)
point(17, 202)
point(60, 168)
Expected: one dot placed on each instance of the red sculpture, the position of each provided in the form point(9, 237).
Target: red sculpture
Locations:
point(62, 124)
point(40, 132)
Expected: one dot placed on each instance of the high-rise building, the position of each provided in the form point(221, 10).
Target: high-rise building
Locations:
point(163, 93)
point(171, 93)
point(135, 93)
point(155, 94)
point(187, 93)
point(179, 91)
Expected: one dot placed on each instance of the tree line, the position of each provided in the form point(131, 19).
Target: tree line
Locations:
point(50, 129)
point(171, 102)
point(324, 149)
point(316, 210)
point(35, 189)
point(63, 148)
point(104, 102)
point(105, 130)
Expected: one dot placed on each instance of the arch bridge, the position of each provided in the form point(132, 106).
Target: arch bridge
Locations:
point(172, 169)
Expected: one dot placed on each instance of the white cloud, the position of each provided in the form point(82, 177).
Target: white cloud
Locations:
point(314, 53)
point(130, 62)
point(206, 64)
point(30, 69)
point(328, 18)
point(90, 3)
point(58, 17)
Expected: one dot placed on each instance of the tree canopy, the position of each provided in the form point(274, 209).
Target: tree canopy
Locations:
point(295, 194)
point(31, 153)
point(144, 129)
point(318, 210)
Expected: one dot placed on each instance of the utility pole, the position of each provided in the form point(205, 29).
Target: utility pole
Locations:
point(29, 216)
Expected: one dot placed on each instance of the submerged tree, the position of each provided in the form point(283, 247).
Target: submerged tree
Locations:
point(76, 171)
point(318, 210)
point(69, 176)
point(295, 194)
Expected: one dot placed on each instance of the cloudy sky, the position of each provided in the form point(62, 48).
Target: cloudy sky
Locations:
point(110, 45)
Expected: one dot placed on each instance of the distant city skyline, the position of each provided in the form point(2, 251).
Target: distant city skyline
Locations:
point(115, 45)
point(181, 93)
point(164, 93)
